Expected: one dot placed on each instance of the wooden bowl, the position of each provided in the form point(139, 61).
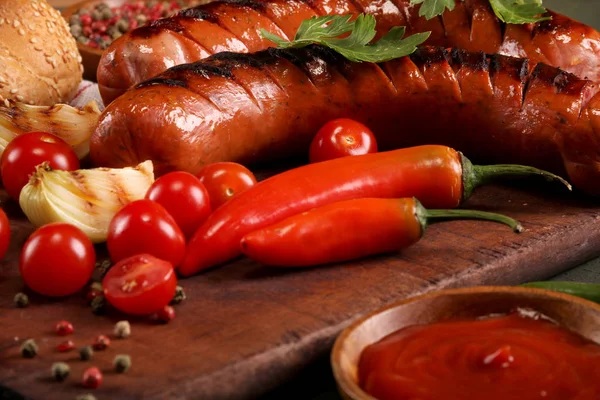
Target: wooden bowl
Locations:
point(580, 316)
point(89, 55)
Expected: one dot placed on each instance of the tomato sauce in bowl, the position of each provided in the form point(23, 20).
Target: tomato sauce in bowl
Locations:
point(516, 356)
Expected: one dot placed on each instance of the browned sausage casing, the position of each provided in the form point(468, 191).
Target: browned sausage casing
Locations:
point(251, 108)
point(235, 26)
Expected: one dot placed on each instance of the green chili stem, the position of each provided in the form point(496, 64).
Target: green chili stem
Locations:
point(477, 175)
point(428, 217)
point(588, 291)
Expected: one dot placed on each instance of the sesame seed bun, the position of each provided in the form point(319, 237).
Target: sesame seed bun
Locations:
point(39, 60)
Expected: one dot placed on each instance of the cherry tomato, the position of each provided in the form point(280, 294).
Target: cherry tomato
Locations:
point(144, 226)
point(340, 138)
point(4, 233)
point(140, 285)
point(57, 260)
point(184, 197)
point(28, 150)
point(223, 180)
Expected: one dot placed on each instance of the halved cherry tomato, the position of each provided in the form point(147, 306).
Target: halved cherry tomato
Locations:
point(144, 226)
point(340, 138)
point(184, 197)
point(57, 260)
point(4, 234)
point(28, 150)
point(224, 180)
point(140, 285)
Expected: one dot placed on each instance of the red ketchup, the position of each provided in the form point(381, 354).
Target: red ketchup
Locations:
point(520, 356)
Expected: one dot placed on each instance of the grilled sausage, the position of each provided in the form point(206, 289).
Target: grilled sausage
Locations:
point(268, 105)
point(235, 26)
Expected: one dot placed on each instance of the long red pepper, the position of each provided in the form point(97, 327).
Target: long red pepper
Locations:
point(349, 230)
point(439, 176)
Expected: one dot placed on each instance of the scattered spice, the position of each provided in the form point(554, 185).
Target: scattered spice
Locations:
point(179, 295)
point(92, 378)
point(86, 353)
point(29, 348)
point(65, 346)
point(99, 305)
point(87, 396)
point(99, 26)
point(60, 371)
point(102, 267)
point(21, 300)
point(96, 286)
point(122, 329)
point(64, 328)
point(122, 363)
point(101, 342)
point(92, 294)
point(166, 314)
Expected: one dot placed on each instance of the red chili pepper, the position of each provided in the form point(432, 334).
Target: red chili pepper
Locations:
point(350, 229)
point(438, 176)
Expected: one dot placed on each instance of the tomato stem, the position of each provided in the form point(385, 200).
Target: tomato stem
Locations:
point(428, 217)
point(477, 175)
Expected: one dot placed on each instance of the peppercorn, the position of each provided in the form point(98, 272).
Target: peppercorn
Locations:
point(104, 265)
point(64, 328)
point(107, 13)
point(60, 371)
point(99, 305)
point(92, 378)
point(96, 15)
point(122, 363)
point(87, 396)
point(65, 346)
point(164, 315)
point(122, 329)
point(101, 342)
point(179, 295)
point(86, 353)
point(75, 20)
point(29, 348)
point(76, 30)
point(21, 300)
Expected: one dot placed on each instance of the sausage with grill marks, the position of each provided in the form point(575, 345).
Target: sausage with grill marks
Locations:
point(250, 108)
point(234, 25)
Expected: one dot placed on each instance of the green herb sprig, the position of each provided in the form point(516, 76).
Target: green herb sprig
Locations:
point(508, 11)
point(357, 45)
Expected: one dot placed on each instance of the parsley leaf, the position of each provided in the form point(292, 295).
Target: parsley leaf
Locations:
point(433, 8)
point(356, 46)
point(519, 11)
point(508, 11)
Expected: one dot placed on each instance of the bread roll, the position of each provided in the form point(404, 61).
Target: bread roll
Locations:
point(39, 60)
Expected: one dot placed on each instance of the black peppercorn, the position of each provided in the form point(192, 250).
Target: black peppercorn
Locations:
point(60, 371)
point(122, 363)
point(99, 305)
point(179, 295)
point(29, 348)
point(21, 300)
point(86, 353)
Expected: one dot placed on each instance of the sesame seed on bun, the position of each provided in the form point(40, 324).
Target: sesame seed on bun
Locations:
point(39, 60)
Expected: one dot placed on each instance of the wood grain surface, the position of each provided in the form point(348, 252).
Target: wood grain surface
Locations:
point(246, 329)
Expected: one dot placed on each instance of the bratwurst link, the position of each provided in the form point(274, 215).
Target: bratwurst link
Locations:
point(234, 25)
point(252, 108)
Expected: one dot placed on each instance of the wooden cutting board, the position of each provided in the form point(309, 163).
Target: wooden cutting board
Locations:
point(246, 329)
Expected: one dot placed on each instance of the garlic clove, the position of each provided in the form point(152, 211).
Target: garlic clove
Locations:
point(86, 198)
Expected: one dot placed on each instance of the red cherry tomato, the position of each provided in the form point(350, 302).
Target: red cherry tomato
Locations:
point(140, 285)
point(144, 226)
point(184, 197)
point(57, 260)
point(340, 138)
point(223, 180)
point(28, 150)
point(4, 233)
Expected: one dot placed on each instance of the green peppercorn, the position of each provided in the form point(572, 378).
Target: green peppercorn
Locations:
point(29, 348)
point(75, 20)
point(103, 266)
point(87, 396)
point(86, 353)
point(116, 35)
point(60, 371)
point(21, 300)
point(99, 305)
point(179, 295)
point(107, 13)
point(122, 363)
point(76, 30)
point(123, 25)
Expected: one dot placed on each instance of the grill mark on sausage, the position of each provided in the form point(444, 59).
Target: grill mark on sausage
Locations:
point(202, 68)
point(162, 82)
point(427, 56)
point(476, 61)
